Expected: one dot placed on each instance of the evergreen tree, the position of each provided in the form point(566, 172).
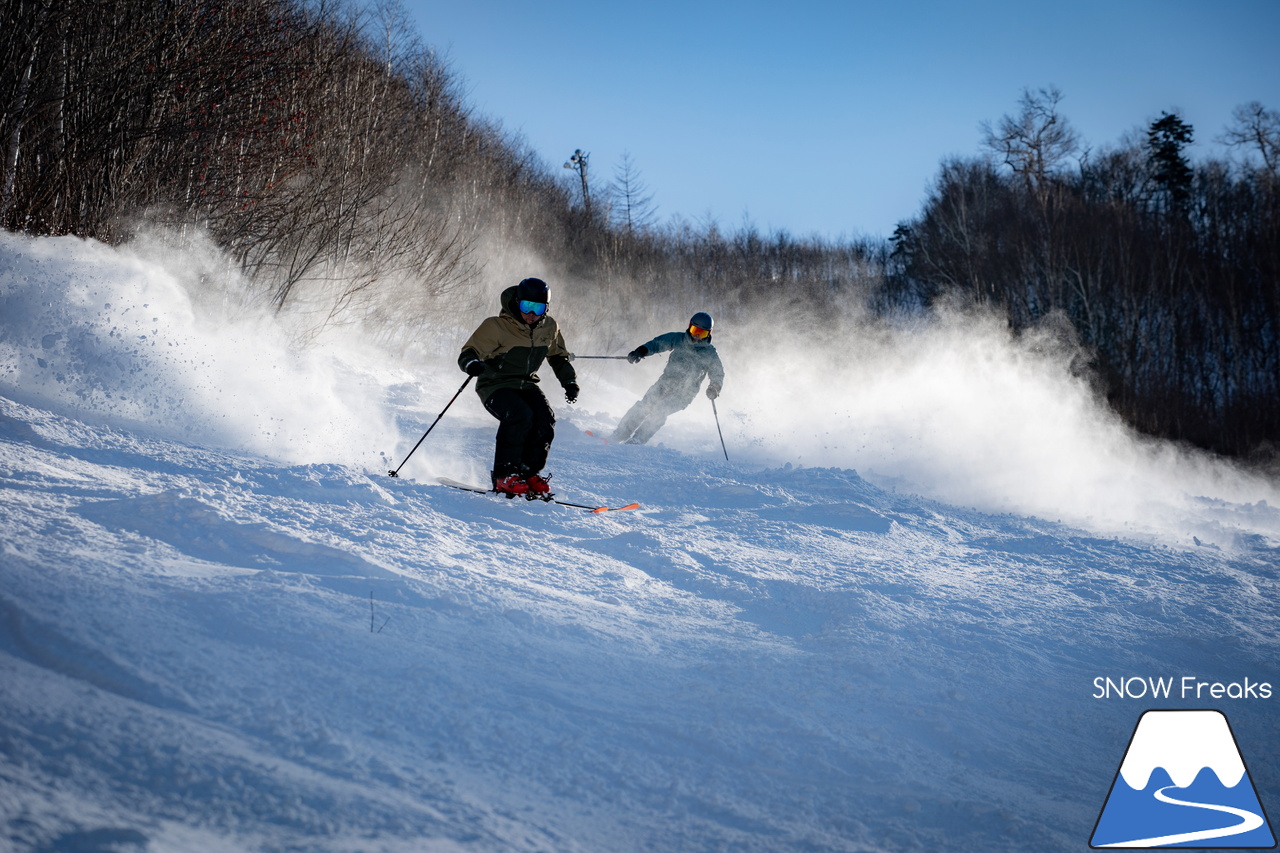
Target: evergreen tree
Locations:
point(1166, 139)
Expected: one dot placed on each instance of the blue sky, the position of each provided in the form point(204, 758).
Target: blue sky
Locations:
point(831, 118)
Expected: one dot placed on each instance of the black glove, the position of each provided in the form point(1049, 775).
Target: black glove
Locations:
point(571, 394)
point(713, 391)
point(636, 354)
point(476, 368)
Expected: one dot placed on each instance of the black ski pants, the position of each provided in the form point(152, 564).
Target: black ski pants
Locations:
point(526, 426)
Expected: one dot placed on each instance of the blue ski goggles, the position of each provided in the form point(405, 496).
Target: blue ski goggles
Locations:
point(529, 307)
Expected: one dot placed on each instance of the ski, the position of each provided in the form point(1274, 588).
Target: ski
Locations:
point(454, 484)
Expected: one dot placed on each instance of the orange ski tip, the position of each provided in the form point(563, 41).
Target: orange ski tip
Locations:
point(615, 508)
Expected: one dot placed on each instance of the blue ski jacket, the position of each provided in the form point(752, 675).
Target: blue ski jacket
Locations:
point(690, 361)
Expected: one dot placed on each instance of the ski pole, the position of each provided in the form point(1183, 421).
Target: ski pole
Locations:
point(717, 414)
point(576, 357)
point(396, 473)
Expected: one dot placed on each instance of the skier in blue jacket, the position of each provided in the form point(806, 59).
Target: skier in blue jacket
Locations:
point(692, 358)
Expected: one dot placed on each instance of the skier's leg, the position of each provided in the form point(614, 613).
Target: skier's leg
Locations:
point(542, 430)
point(515, 420)
point(662, 405)
point(632, 420)
point(648, 427)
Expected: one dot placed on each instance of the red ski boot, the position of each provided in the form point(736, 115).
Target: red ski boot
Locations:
point(511, 485)
point(538, 487)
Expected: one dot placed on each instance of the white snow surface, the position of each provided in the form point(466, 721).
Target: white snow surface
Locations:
point(223, 627)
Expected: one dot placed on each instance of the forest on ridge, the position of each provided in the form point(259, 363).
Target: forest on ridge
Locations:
point(332, 155)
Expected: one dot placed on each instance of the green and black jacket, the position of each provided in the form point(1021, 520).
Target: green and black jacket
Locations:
point(514, 350)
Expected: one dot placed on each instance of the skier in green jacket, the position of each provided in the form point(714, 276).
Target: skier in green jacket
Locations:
point(692, 357)
point(504, 354)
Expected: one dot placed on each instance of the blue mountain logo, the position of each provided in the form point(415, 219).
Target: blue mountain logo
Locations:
point(1183, 783)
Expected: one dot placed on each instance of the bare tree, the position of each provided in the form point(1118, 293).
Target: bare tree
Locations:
point(633, 207)
point(1256, 127)
point(25, 21)
point(1037, 141)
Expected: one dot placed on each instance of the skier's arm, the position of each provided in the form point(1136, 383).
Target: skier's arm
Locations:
point(715, 373)
point(481, 346)
point(559, 358)
point(662, 343)
point(471, 363)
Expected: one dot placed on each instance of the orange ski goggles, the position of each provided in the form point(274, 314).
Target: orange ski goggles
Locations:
point(699, 332)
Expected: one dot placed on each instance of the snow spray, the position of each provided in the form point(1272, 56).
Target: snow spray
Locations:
point(149, 338)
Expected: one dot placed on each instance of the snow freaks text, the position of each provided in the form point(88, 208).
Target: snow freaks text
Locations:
point(1185, 687)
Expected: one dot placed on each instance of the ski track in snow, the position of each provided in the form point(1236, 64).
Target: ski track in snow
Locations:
point(203, 650)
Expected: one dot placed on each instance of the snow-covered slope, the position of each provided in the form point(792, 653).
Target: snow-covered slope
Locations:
point(216, 638)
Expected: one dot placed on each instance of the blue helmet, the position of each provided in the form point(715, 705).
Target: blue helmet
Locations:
point(702, 320)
